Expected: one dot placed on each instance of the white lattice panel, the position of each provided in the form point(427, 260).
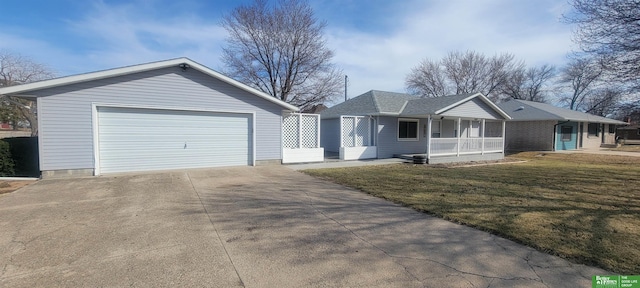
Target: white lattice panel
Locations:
point(355, 131)
point(348, 124)
point(290, 131)
point(309, 126)
point(300, 130)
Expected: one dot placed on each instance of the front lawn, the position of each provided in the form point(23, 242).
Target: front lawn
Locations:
point(582, 207)
point(627, 148)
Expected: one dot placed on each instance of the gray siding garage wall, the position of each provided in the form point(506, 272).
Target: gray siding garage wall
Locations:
point(529, 135)
point(388, 144)
point(65, 113)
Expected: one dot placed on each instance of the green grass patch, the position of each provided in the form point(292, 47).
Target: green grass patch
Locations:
point(585, 208)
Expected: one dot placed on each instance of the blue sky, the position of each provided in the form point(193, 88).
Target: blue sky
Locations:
point(376, 42)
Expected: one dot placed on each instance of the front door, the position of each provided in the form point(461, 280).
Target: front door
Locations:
point(567, 136)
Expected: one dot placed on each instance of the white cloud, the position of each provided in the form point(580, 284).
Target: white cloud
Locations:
point(530, 31)
point(127, 34)
point(376, 48)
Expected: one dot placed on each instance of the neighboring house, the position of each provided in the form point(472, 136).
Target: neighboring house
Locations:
point(315, 109)
point(171, 114)
point(381, 124)
point(629, 134)
point(542, 127)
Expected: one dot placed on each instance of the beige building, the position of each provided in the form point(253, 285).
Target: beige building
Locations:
point(542, 127)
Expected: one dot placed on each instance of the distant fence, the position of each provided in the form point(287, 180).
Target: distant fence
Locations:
point(12, 133)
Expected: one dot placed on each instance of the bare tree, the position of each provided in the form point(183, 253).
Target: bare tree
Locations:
point(629, 111)
point(530, 84)
point(280, 50)
point(459, 72)
point(603, 102)
point(581, 77)
point(610, 30)
point(428, 79)
point(16, 69)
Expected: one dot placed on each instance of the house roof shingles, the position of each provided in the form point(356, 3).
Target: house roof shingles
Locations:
point(377, 102)
point(522, 110)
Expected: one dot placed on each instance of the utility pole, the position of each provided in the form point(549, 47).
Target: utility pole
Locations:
point(346, 80)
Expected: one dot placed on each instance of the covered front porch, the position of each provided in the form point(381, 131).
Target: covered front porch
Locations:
point(457, 139)
point(464, 136)
point(440, 139)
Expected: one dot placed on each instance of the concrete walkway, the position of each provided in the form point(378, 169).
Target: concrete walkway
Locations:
point(249, 227)
point(340, 164)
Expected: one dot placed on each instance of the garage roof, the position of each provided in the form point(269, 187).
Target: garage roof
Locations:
point(21, 90)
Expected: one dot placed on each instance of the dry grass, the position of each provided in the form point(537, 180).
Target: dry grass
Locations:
point(583, 207)
point(627, 148)
point(10, 186)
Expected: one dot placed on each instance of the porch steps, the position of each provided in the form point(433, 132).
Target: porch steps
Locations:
point(407, 156)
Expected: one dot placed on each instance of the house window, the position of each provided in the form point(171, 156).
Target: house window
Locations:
point(407, 129)
point(566, 132)
point(593, 129)
point(612, 129)
point(436, 128)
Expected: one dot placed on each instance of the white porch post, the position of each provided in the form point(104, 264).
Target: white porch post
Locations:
point(482, 131)
point(429, 121)
point(368, 132)
point(300, 130)
point(341, 140)
point(318, 136)
point(503, 134)
point(458, 146)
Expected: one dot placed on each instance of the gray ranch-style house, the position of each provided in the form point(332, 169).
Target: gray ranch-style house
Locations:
point(380, 124)
point(543, 127)
point(171, 114)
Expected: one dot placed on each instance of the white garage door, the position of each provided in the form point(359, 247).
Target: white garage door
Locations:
point(132, 139)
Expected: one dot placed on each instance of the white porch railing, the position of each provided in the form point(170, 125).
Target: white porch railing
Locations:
point(493, 144)
point(449, 146)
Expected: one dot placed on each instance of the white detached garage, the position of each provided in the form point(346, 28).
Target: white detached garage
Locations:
point(172, 114)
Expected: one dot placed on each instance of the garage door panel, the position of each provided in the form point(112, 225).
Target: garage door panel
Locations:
point(176, 156)
point(132, 139)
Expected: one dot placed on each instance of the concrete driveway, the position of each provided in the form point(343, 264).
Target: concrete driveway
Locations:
point(252, 227)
